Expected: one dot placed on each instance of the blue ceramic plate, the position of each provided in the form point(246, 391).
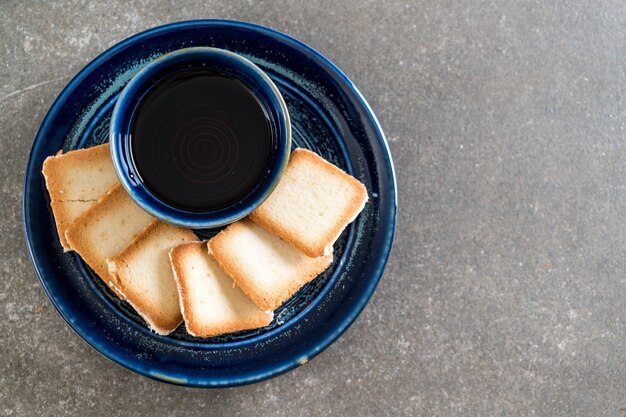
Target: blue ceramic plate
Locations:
point(329, 116)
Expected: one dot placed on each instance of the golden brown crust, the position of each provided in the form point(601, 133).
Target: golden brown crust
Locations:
point(61, 170)
point(162, 324)
point(194, 326)
point(270, 219)
point(61, 223)
point(162, 327)
point(132, 246)
point(120, 273)
point(218, 248)
point(64, 216)
point(79, 238)
point(56, 168)
point(264, 297)
point(177, 254)
point(156, 228)
point(197, 330)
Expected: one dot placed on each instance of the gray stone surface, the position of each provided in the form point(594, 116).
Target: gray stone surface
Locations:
point(505, 293)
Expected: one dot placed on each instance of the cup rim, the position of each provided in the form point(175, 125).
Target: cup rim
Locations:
point(124, 109)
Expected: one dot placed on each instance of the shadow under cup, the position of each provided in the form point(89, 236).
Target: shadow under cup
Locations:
point(193, 140)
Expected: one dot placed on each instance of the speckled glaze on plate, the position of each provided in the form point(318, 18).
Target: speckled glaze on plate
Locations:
point(328, 115)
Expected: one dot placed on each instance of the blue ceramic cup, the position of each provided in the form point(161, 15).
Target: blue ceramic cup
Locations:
point(221, 62)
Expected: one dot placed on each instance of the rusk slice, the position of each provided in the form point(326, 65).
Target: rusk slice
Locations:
point(142, 273)
point(75, 181)
point(210, 302)
point(106, 228)
point(312, 204)
point(266, 268)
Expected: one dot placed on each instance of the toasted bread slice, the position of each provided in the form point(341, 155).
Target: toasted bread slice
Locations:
point(75, 181)
point(312, 204)
point(265, 267)
point(106, 228)
point(210, 302)
point(142, 272)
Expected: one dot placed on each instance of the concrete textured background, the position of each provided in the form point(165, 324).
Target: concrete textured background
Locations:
point(505, 293)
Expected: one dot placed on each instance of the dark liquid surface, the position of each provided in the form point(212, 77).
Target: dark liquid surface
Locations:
point(200, 141)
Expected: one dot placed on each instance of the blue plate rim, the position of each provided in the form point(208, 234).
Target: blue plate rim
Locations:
point(375, 274)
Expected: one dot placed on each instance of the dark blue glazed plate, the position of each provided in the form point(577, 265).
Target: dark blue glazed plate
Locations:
point(328, 115)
